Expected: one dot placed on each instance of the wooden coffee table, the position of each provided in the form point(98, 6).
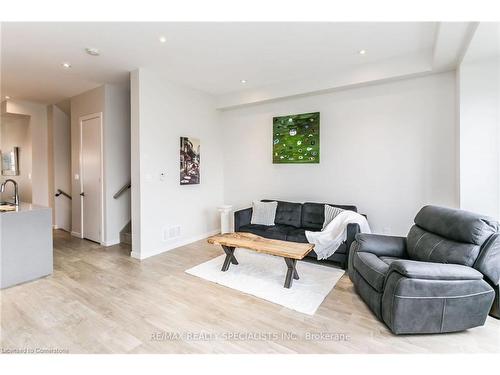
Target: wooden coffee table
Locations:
point(290, 251)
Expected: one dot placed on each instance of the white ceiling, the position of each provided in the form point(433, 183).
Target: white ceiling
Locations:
point(485, 42)
point(212, 57)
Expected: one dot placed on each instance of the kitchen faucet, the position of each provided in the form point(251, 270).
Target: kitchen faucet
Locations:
point(16, 190)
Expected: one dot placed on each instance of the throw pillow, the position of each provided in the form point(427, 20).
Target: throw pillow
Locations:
point(263, 213)
point(330, 214)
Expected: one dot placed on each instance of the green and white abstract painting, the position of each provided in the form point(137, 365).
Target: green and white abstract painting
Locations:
point(296, 139)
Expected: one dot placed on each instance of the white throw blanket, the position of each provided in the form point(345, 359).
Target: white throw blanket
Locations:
point(329, 239)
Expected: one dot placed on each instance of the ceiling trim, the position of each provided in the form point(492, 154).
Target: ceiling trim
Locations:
point(451, 41)
point(354, 77)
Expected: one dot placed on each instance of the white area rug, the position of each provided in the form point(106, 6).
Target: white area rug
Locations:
point(263, 276)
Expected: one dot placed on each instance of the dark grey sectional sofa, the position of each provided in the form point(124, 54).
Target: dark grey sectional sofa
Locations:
point(291, 222)
point(442, 277)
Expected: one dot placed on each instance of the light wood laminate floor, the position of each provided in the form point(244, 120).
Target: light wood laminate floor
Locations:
point(100, 300)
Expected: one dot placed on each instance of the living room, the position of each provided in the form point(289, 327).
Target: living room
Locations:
point(314, 187)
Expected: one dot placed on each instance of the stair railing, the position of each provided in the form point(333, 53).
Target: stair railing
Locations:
point(61, 192)
point(124, 188)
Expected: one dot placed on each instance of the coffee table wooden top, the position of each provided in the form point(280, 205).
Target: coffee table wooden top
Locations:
point(286, 249)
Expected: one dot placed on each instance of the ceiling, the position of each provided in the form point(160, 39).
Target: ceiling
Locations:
point(212, 57)
point(485, 42)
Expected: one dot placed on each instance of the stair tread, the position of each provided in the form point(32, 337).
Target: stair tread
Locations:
point(126, 234)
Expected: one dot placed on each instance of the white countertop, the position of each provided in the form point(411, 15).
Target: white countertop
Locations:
point(25, 207)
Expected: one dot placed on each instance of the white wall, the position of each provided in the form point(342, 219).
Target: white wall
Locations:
point(162, 112)
point(113, 100)
point(135, 162)
point(479, 97)
point(61, 140)
point(116, 159)
point(479, 137)
point(388, 148)
point(15, 131)
point(39, 146)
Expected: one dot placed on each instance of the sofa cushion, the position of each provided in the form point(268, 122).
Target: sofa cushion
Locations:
point(289, 213)
point(257, 229)
point(434, 306)
point(297, 235)
point(434, 271)
point(429, 247)
point(389, 260)
point(275, 232)
point(371, 268)
point(456, 225)
point(313, 214)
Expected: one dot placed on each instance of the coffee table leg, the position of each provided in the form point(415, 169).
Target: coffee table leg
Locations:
point(230, 258)
point(291, 273)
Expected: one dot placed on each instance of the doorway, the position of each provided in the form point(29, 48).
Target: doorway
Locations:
point(91, 177)
point(60, 146)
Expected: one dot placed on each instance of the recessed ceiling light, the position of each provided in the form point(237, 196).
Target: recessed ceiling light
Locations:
point(7, 97)
point(92, 51)
point(66, 65)
point(362, 52)
point(162, 39)
point(243, 81)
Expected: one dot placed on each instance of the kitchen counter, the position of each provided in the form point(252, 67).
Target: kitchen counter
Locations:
point(26, 251)
point(25, 207)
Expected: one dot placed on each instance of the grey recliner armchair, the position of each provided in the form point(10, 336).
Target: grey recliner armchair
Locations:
point(442, 277)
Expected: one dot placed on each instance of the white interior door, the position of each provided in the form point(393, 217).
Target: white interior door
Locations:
point(90, 176)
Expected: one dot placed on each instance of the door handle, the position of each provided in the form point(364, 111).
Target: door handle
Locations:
point(82, 194)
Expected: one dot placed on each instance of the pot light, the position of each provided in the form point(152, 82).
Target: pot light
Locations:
point(362, 52)
point(162, 39)
point(7, 97)
point(92, 51)
point(66, 65)
point(243, 81)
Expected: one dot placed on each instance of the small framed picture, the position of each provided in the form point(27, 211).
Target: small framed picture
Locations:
point(296, 139)
point(10, 162)
point(190, 161)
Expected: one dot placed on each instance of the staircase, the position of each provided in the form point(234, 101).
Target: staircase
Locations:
point(126, 234)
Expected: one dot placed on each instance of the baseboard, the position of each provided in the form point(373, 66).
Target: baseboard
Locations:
point(175, 245)
point(57, 227)
point(116, 241)
point(135, 255)
point(76, 234)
